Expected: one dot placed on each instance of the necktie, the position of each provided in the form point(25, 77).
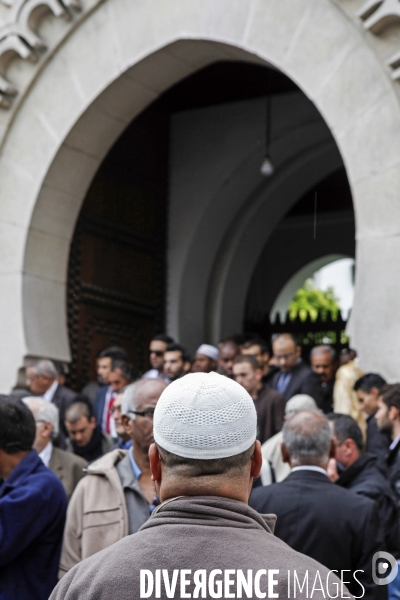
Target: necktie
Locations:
point(109, 413)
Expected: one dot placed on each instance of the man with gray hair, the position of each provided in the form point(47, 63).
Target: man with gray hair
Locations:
point(316, 517)
point(271, 449)
point(42, 380)
point(203, 541)
point(66, 466)
point(117, 495)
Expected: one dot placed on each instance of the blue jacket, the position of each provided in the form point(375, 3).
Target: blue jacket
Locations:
point(32, 515)
point(99, 404)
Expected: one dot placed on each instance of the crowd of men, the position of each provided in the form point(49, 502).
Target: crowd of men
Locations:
point(79, 470)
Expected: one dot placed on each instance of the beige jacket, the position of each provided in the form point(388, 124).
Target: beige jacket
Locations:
point(97, 515)
point(345, 399)
point(271, 451)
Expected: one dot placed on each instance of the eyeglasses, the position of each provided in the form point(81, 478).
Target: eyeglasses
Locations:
point(158, 353)
point(114, 409)
point(147, 414)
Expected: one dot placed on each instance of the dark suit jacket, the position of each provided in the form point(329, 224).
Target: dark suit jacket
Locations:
point(378, 442)
point(326, 522)
point(68, 468)
point(303, 380)
point(393, 463)
point(62, 398)
point(366, 478)
point(270, 406)
point(99, 403)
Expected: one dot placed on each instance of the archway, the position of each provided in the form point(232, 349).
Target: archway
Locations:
point(287, 293)
point(104, 80)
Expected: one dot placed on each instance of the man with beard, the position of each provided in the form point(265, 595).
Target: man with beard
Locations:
point(117, 495)
point(388, 420)
point(176, 362)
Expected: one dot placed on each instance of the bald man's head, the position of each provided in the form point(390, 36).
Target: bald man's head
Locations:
point(324, 363)
point(307, 440)
point(228, 352)
point(286, 351)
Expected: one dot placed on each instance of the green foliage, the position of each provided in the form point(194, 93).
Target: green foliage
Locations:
point(309, 301)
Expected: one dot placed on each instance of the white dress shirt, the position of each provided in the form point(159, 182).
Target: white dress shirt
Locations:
point(310, 468)
point(45, 454)
point(51, 391)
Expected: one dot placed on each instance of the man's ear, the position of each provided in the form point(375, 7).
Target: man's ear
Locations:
point(393, 413)
point(259, 374)
point(46, 430)
point(127, 424)
point(93, 421)
point(155, 463)
point(375, 392)
point(332, 450)
point(256, 462)
point(285, 454)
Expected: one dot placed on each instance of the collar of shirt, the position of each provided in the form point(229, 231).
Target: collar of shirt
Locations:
point(395, 442)
point(136, 471)
point(45, 454)
point(49, 395)
point(310, 468)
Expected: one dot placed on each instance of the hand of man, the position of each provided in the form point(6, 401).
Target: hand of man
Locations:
point(332, 470)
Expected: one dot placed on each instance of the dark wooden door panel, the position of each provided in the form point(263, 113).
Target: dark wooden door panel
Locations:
point(116, 277)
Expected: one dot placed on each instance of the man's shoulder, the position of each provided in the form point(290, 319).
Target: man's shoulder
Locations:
point(142, 551)
point(66, 459)
point(101, 393)
point(42, 483)
point(65, 393)
point(270, 395)
point(107, 463)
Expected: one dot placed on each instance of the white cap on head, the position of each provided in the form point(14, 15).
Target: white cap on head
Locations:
point(300, 402)
point(205, 416)
point(209, 351)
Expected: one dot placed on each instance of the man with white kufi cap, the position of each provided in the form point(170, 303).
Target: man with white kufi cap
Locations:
point(206, 359)
point(203, 536)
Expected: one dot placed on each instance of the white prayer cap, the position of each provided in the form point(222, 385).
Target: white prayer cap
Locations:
point(205, 416)
point(209, 351)
point(300, 402)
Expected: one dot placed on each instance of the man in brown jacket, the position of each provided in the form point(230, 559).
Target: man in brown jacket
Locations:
point(270, 405)
point(203, 541)
point(117, 495)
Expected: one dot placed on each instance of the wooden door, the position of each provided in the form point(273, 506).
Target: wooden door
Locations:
point(116, 279)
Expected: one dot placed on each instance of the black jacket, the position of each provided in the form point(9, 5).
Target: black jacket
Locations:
point(393, 463)
point(326, 522)
point(303, 380)
point(365, 477)
point(378, 442)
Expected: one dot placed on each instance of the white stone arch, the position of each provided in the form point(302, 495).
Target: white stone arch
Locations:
point(65, 125)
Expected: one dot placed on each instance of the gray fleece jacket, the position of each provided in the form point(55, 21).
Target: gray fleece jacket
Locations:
point(199, 535)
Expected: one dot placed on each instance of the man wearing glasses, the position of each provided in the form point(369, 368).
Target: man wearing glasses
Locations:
point(294, 376)
point(117, 495)
point(158, 346)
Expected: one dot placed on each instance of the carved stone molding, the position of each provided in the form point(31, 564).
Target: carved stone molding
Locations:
point(376, 16)
point(19, 37)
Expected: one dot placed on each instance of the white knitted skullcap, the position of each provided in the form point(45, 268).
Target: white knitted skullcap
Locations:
point(209, 351)
point(300, 402)
point(205, 416)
